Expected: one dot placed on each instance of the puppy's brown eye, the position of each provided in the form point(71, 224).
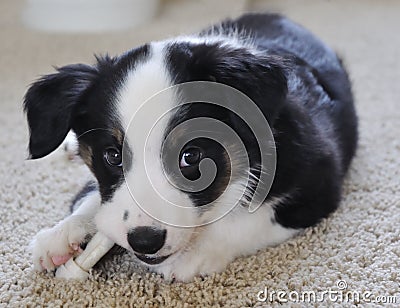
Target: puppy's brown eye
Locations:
point(113, 157)
point(190, 157)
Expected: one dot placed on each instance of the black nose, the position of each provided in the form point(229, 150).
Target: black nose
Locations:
point(146, 240)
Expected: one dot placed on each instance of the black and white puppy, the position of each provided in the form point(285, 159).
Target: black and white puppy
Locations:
point(297, 82)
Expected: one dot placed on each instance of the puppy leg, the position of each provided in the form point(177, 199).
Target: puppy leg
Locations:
point(54, 246)
point(71, 146)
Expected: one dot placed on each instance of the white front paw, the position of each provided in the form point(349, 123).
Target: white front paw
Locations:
point(190, 265)
point(54, 246)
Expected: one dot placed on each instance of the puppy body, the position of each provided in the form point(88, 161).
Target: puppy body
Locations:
point(297, 82)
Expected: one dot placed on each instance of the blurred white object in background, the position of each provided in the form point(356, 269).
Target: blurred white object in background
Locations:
point(87, 15)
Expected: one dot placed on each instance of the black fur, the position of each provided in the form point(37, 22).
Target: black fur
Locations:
point(49, 105)
point(81, 97)
point(305, 94)
point(296, 80)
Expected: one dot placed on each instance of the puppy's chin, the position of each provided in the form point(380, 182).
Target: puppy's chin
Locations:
point(148, 260)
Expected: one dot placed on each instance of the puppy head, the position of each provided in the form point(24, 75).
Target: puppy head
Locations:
point(106, 105)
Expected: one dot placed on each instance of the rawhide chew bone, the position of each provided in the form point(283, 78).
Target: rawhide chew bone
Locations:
point(78, 268)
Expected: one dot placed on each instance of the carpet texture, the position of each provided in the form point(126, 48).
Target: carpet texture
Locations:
point(358, 245)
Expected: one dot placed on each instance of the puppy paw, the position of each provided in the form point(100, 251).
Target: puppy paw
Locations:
point(190, 265)
point(71, 147)
point(55, 246)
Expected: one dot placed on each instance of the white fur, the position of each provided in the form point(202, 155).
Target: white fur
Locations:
point(65, 237)
point(135, 92)
point(211, 247)
point(194, 251)
point(214, 246)
point(198, 250)
point(71, 146)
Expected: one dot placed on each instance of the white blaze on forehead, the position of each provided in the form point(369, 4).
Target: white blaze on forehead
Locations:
point(144, 101)
point(147, 78)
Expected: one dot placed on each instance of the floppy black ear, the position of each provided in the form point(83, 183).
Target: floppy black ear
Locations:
point(50, 103)
point(259, 76)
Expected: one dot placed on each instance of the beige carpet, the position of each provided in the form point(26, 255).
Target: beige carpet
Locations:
point(359, 244)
